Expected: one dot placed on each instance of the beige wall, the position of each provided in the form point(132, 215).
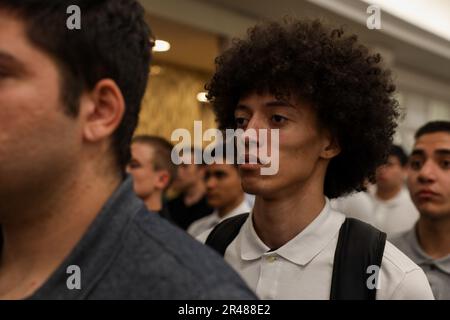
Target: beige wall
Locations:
point(170, 102)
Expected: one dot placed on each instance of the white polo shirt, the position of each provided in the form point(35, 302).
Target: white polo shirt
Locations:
point(210, 221)
point(394, 216)
point(302, 268)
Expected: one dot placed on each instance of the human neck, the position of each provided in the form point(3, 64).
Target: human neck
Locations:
point(223, 211)
point(278, 220)
point(386, 194)
point(194, 193)
point(434, 236)
point(41, 230)
point(154, 201)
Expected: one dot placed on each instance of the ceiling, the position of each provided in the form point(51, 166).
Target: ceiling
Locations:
point(190, 47)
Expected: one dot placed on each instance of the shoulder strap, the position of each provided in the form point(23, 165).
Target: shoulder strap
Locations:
point(359, 246)
point(225, 232)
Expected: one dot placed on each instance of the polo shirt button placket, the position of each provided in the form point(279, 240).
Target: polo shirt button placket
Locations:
point(268, 277)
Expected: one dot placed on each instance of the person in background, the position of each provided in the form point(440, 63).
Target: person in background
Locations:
point(428, 242)
point(191, 203)
point(393, 210)
point(356, 205)
point(153, 171)
point(224, 194)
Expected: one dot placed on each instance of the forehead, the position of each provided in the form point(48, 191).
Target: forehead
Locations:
point(142, 151)
point(15, 47)
point(393, 158)
point(13, 38)
point(433, 141)
point(269, 100)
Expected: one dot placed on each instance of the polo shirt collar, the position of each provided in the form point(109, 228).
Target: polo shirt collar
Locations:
point(303, 247)
point(422, 257)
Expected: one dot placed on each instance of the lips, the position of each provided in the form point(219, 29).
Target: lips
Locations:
point(426, 194)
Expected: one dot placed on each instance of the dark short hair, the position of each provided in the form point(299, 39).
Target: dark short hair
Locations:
point(433, 127)
point(352, 93)
point(162, 154)
point(113, 42)
point(400, 154)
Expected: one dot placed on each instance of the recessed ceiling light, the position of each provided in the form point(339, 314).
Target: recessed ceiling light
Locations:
point(161, 46)
point(201, 96)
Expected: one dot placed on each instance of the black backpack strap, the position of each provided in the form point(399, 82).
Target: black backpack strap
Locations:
point(225, 232)
point(359, 246)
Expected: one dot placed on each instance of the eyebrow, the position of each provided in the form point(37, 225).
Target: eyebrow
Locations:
point(417, 152)
point(443, 152)
point(420, 152)
point(8, 58)
point(272, 103)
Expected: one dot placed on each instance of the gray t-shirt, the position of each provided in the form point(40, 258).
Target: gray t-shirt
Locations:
point(130, 253)
point(436, 270)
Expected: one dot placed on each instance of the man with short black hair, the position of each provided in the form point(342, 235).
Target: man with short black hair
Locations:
point(190, 204)
point(70, 225)
point(428, 242)
point(223, 192)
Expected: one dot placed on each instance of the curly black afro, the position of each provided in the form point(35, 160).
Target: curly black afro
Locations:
point(351, 92)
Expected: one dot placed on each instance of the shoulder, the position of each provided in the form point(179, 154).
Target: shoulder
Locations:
point(402, 241)
point(198, 225)
point(168, 258)
point(401, 278)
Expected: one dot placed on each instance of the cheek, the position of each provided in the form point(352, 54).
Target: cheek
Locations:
point(299, 154)
point(446, 184)
point(411, 180)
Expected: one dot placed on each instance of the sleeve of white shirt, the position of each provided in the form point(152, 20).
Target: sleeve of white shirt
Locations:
point(414, 286)
point(401, 278)
point(203, 236)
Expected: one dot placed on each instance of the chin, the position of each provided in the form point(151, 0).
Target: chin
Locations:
point(433, 212)
point(258, 187)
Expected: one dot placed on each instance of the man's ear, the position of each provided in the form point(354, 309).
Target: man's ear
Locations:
point(102, 110)
point(163, 179)
point(331, 148)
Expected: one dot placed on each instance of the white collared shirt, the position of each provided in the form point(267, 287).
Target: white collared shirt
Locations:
point(302, 268)
point(396, 215)
point(209, 222)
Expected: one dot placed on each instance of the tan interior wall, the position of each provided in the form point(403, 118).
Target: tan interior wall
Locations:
point(171, 102)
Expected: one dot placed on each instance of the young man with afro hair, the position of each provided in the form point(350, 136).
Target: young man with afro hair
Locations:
point(333, 105)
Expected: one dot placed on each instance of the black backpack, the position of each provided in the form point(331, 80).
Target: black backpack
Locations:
point(359, 246)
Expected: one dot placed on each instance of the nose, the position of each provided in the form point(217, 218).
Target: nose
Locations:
point(426, 173)
point(211, 183)
point(253, 136)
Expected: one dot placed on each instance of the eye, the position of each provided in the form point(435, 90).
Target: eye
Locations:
point(134, 165)
point(241, 122)
point(278, 120)
point(415, 164)
point(220, 175)
point(445, 164)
